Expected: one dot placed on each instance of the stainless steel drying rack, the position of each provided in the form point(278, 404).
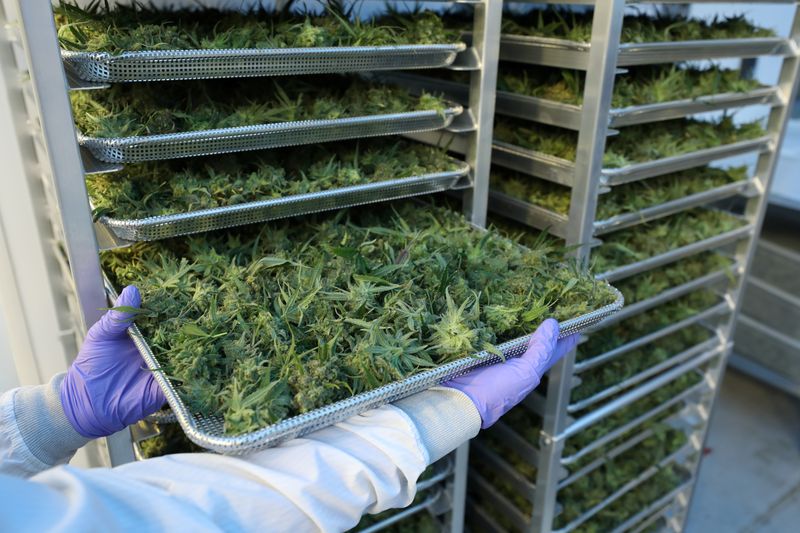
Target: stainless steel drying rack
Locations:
point(602, 59)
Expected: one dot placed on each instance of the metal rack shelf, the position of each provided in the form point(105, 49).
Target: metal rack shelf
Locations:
point(167, 226)
point(558, 224)
point(712, 312)
point(263, 136)
point(673, 458)
point(671, 256)
point(172, 65)
point(561, 53)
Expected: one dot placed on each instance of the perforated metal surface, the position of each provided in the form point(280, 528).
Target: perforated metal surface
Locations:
point(164, 65)
point(208, 432)
point(262, 136)
point(162, 227)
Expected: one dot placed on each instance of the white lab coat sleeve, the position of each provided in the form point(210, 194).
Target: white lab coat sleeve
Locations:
point(34, 431)
point(324, 481)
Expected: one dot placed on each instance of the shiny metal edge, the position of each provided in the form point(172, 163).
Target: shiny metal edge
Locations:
point(664, 501)
point(567, 116)
point(618, 450)
point(167, 65)
point(529, 214)
point(152, 228)
point(712, 278)
point(534, 163)
point(226, 140)
point(666, 165)
point(599, 443)
point(563, 53)
point(634, 218)
point(330, 414)
point(676, 359)
point(646, 474)
point(718, 309)
point(640, 392)
point(676, 254)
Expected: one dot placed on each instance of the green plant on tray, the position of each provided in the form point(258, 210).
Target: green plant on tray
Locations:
point(642, 85)
point(127, 110)
point(591, 489)
point(622, 199)
point(559, 23)
point(634, 144)
point(628, 365)
point(139, 27)
point(594, 487)
point(653, 282)
point(662, 483)
point(650, 239)
point(171, 440)
point(613, 337)
point(260, 323)
point(162, 188)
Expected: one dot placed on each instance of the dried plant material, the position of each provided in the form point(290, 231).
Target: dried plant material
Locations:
point(128, 110)
point(258, 324)
point(634, 144)
point(169, 187)
point(641, 86)
point(560, 23)
point(650, 239)
point(622, 199)
point(139, 27)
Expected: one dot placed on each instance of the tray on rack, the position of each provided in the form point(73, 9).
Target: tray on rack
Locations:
point(568, 116)
point(563, 53)
point(208, 432)
point(166, 226)
point(263, 136)
point(561, 171)
point(170, 65)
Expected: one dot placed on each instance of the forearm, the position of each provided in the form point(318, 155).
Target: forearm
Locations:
point(326, 480)
point(34, 432)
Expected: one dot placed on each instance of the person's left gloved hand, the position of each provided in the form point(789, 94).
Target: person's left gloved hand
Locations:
point(497, 388)
point(108, 387)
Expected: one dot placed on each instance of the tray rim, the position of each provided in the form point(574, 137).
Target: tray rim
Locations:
point(139, 224)
point(304, 423)
point(107, 59)
point(99, 144)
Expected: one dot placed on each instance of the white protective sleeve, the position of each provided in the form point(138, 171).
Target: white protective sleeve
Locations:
point(324, 481)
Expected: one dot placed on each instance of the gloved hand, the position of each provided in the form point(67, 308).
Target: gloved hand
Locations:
point(108, 387)
point(497, 388)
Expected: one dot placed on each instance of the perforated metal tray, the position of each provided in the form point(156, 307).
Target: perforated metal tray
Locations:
point(166, 226)
point(208, 432)
point(262, 136)
point(167, 65)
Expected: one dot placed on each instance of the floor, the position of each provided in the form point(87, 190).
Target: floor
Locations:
point(750, 476)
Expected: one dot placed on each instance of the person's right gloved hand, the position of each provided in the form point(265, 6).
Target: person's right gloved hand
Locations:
point(108, 387)
point(497, 388)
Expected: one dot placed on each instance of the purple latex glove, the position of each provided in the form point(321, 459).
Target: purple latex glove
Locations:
point(108, 387)
point(497, 388)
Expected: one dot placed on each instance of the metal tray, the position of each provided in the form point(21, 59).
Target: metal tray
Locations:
point(166, 226)
point(262, 136)
point(169, 65)
point(563, 53)
point(557, 224)
point(568, 116)
point(208, 432)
